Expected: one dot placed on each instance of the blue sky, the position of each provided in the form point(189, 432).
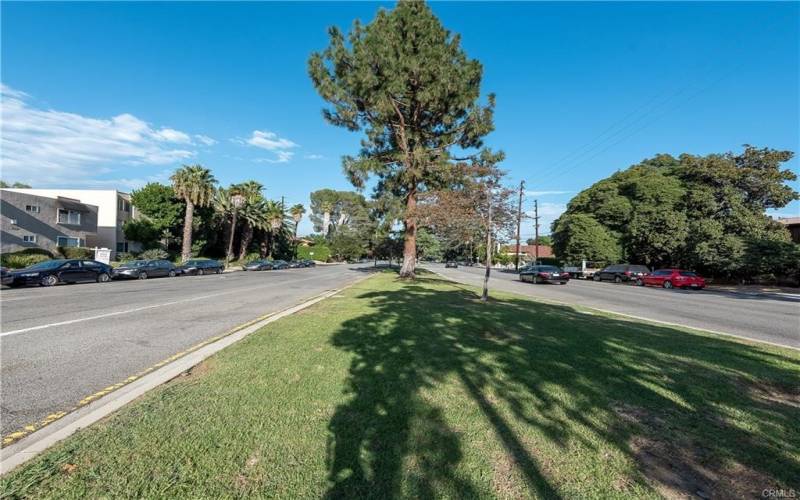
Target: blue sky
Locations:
point(117, 94)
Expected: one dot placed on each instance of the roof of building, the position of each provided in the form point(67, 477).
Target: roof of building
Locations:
point(544, 250)
point(789, 221)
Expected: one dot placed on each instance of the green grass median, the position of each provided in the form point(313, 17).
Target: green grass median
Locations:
point(417, 389)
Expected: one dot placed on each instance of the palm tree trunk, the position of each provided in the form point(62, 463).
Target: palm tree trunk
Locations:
point(247, 237)
point(229, 254)
point(271, 243)
point(186, 250)
point(294, 250)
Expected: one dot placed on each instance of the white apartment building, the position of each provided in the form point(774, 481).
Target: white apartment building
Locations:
point(114, 209)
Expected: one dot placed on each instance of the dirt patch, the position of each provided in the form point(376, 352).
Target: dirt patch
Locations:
point(199, 369)
point(506, 481)
point(772, 393)
point(678, 469)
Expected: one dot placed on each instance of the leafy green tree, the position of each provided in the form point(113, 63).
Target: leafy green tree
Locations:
point(159, 204)
point(17, 185)
point(406, 82)
point(544, 240)
point(195, 185)
point(579, 237)
point(143, 231)
point(428, 245)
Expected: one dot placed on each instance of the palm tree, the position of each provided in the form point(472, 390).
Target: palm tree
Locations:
point(277, 222)
point(195, 185)
point(254, 215)
point(296, 212)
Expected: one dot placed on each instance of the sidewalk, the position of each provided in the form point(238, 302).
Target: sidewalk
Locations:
point(756, 289)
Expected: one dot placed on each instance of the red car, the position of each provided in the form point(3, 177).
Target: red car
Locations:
point(669, 278)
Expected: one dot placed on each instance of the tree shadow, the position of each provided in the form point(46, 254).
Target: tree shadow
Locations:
point(669, 401)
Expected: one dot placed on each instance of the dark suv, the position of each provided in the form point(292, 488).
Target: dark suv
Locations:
point(201, 267)
point(621, 272)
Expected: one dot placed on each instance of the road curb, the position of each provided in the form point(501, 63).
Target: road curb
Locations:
point(35, 443)
point(630, 316)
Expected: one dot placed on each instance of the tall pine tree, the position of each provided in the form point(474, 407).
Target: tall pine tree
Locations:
point(405, 81)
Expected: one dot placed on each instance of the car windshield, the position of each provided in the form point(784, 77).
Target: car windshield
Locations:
point(48, 264)
point(548, 269)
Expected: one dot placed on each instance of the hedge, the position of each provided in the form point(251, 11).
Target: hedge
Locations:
point(321, 252)
point(18, 260)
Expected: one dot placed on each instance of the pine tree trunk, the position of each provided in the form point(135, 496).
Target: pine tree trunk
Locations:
point(247, 237)
point(186, 250)
point(410, 240)
point(326, 222)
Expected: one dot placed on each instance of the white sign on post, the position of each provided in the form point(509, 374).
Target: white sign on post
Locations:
point(102, 255)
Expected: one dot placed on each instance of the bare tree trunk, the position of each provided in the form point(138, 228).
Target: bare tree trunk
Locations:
point(262, 248)
point(229, 254)
point(186, 250)
point(247, 237)
point(410, 240)
point(326, 223)
point(485, 296)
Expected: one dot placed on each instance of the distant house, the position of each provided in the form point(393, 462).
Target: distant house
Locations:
point(114, 208)
point(793, 225)
point(528, 252)
point(34, 221)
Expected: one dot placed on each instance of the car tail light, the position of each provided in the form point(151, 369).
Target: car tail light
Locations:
point(627, 273)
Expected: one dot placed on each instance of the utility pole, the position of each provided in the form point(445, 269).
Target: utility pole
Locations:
point(519, 222)
point(536, 226)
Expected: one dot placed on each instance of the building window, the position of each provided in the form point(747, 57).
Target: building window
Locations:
point(69, 217)
point(122, 246)
point(64, 241)
point(13, 222)
point(29, 238)
point(123, 205)
point(34, 209)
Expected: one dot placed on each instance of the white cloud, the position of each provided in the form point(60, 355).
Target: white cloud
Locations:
point(546, 193)
point(314, 157)
point(270, 141)
point(172, 135)
point(49, 147)
point(281, 157)
point(204, 139)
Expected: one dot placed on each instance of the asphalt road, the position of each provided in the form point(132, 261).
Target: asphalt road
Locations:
point(61, 344)
point(771, 318)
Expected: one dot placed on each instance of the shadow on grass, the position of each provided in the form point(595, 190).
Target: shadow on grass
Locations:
point(691, 412)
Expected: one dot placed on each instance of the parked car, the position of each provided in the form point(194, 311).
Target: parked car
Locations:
point(53, 272)
point(143, 269)
point(6, 277)
point(451, 263)
point(200, 267)
point(258, 265)
point(309, 263)
point(280, 264)
point(672, 278)
point(619, 273)
point(295, 264)
point(543, 274)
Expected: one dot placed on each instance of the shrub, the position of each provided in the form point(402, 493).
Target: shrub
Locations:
point(34, 251)
point(252, 256)
point(320, 252)
point(18, 260)
point(154, 253)
point(76, 252)
point(125, 256)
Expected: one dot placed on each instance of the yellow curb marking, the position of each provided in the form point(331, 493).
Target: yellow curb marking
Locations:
point(27, 429)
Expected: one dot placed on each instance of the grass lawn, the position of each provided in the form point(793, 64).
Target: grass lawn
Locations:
point(416, 389)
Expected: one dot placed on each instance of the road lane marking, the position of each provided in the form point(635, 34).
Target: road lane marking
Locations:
point(40, 442)
point(144, 308)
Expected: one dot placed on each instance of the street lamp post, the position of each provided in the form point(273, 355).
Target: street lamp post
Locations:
point(237, 201)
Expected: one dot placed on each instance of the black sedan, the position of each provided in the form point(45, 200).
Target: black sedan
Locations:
point(200, 267)
point(280, 264)
point(543, 274)
point(308, 263)
point(143, 269)
point(257, 265)
point(53, 272)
